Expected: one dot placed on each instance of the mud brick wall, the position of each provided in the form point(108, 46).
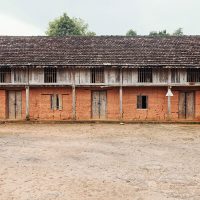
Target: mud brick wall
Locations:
point(40, 106)
point(2, 104)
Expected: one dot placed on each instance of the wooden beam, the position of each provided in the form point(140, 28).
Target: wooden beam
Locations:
point(27, 103)
point(169, 106)
point(121, 95)
point(73, 96)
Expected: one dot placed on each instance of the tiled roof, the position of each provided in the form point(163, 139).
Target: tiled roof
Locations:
point(99, 50)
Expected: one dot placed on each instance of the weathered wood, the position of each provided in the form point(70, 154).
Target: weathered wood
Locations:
point(36, 75)
point(182, 105)
point(169, 107)
point(103, 105)
point(95, 104)
point(64, 76)
point(121, 95)
point(14, 104)
point(27, 102)
point(11, 104)
point(183, 76)
point(186, 105)
point(20, 75)
point(84, 76)
point(169, 74)
point(73, 95)
point(112, 75)
point(18, 104)
point(190, 105)
point(99, 105)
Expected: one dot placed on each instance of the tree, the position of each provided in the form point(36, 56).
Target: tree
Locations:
point(160, 33)
point(178, 32)
point(83, 27)
point(64, 25)
point(131, 32)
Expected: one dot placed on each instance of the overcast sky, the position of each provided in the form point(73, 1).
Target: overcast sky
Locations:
point(105, 17)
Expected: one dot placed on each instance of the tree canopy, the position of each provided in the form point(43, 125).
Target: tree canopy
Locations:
point(64, 25)
point(159, 33)
point(162, 33)
point(178, 32)
point(131, 32)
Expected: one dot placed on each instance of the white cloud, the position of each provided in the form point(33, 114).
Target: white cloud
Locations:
point(12, 26)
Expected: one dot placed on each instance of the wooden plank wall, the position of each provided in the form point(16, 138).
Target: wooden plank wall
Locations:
point(83, 76)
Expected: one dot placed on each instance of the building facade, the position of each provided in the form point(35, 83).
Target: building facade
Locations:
point(100, 78)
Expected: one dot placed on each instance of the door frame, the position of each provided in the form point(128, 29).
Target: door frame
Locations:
point(91, 113)
point(7, 102)
point(194, 95)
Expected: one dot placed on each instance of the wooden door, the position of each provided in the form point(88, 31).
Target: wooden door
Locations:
point(186, 105)
point(189, 105)
point(99, 104)
point(14, 104)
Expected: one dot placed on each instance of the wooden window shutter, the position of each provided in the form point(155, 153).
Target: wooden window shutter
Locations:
point(139, 101)
point(60, 101)
point(51, 102)
point(54, 102)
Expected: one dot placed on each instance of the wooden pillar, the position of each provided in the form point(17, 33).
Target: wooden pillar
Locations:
point(27, 103)
point(73, 96)
point(169, 106)
point(169, 103)
point(169, 96)
point(121, 96)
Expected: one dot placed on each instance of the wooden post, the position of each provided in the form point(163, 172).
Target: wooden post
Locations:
point(169, 97)
point(169, 105)
point(73, 96)
point(121, 96)
point(27, 103)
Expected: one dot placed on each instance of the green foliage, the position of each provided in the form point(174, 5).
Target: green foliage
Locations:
point(83, 27)
point(160, 33)
point(178, 32)
point(64, 25)
point(131, 32)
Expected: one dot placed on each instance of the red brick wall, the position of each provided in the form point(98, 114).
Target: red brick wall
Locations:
point(113, 103)
point(157, 103)
point(2, 104)
point(197, 105)
point(40, 104)
point(83, 104)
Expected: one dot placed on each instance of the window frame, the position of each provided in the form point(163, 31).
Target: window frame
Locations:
point(50, 75)
point(97, 75)
point(139, 104)
point(145, 75)
point(5, 75)
point(56, 102)
point(193, 75)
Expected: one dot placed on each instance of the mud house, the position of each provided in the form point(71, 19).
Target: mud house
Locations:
point(109, 78)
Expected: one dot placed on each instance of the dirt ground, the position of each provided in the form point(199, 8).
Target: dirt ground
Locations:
point(99, 161)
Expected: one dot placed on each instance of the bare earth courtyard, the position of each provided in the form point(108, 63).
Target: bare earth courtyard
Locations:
point(99, 161)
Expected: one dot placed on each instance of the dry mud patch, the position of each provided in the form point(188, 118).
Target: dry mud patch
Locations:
point(99, 161)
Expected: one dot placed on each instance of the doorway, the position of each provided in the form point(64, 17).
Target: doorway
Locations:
point(14, 104)
point(186, 105)
point(99, 104)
